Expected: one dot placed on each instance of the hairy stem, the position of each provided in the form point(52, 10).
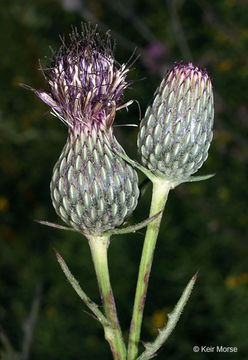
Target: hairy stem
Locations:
point(99, 247)
point(161, 189)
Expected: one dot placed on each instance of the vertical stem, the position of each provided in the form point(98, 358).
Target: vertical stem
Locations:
point(99, 246)
point(160, 193)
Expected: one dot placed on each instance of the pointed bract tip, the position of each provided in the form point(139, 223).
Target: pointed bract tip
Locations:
point(195, 276)
point(188, 68)
point(27, 87)
point(59, 257)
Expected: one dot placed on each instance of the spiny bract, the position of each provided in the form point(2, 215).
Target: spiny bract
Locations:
point(93, 189)
point(176, 131)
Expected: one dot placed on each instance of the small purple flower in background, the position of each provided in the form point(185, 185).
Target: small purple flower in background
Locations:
point(155, 57)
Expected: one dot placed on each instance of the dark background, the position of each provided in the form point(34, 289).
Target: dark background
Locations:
point(205, 223)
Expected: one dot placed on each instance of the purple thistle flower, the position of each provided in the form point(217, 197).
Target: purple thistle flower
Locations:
point(92, 189)
point(85, 84)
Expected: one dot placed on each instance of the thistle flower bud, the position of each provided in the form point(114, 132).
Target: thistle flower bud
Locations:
point(176, 131)
point(92, 189)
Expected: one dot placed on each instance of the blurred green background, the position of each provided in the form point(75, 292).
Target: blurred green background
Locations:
point(205, 224)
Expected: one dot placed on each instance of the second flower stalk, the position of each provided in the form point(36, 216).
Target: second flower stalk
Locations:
point(95, 185)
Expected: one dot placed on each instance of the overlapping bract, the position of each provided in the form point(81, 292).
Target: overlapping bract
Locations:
point(93, 189)
point(176, 131)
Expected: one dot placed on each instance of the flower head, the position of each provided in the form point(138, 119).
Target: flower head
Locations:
point(176, 131)
point(93, 190)
point(85, 84)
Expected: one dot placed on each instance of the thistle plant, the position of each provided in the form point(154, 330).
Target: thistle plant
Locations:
point(94, 186)
point(173, 141)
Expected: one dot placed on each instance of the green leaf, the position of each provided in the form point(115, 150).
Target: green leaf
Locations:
point(133, 228)
point(193, 179)
point(173, 318)
point(137, 165)
point(57, 226)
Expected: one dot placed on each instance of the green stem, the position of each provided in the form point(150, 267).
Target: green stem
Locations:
point(161, 189)
point(99, 246)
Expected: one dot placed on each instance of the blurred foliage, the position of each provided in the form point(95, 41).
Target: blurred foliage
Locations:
point(205, 224)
